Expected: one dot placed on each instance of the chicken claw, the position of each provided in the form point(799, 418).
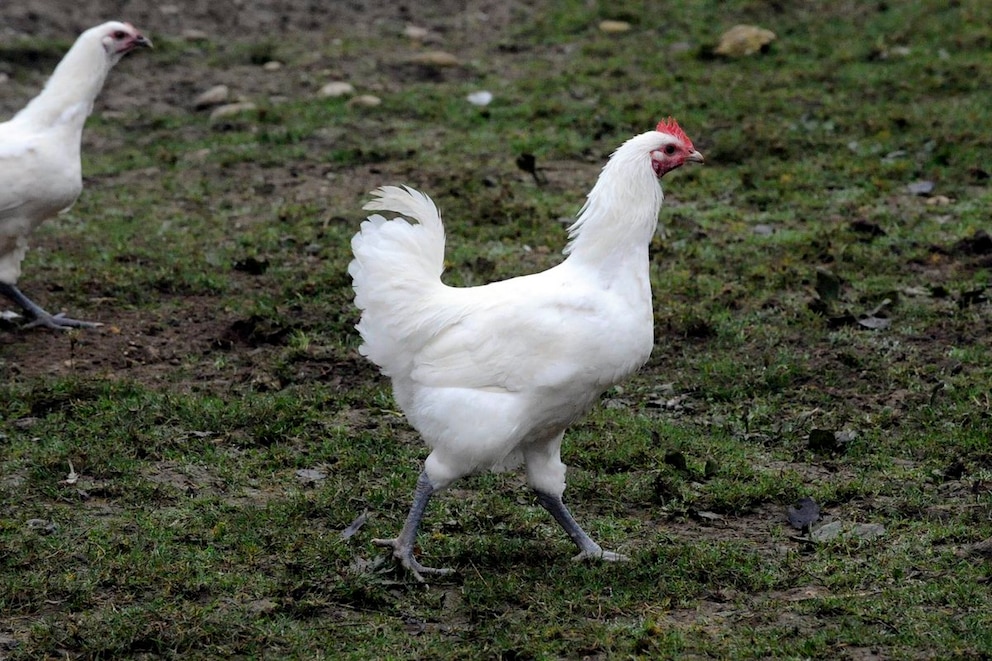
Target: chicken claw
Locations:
point(605, 556)
point(405, 556)
point(39, 315)
point(60, 322)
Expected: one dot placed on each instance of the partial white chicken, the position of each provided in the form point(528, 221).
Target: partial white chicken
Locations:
point(492, 375)
point(40, 170)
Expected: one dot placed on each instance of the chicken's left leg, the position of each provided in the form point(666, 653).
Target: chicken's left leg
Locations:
point(39, 316)
point(403, 544)
point(588, 548)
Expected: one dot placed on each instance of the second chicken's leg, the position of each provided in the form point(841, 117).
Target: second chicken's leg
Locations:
point(403, 543)
point(588, 548)
point(39, 316)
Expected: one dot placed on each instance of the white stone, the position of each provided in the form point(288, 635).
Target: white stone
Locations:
point(480, 98)
point(436, 58)
point(336, 88)
point(416, 32)
point(214, 96)
point(366, 100)
point(230, 109)
point(614, 27)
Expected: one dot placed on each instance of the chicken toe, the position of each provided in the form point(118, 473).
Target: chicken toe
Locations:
point(403, 543)
point(39, 316)
point(405, 556)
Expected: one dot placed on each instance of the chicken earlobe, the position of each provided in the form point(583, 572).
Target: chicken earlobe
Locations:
point(39, 316)
point(588, 549)
point(403, 544)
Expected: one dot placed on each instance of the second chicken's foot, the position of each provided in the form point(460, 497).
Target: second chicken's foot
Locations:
point(60, 322)
point(39, 316)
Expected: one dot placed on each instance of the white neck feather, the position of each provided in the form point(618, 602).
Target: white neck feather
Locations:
point(69, 93)
point(621, 211)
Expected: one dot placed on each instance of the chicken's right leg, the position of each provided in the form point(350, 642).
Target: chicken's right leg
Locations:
point(588, 549)
point(40, 317)
point(402, 544)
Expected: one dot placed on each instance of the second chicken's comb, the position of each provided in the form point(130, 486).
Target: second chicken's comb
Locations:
point(672, 128)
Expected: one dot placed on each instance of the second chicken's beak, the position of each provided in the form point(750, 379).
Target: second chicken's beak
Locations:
point(694, 156)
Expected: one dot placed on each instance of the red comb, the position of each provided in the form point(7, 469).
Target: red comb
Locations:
point(672, 128)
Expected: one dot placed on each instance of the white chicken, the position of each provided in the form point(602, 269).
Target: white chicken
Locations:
point(40, 170)
point(491, 376)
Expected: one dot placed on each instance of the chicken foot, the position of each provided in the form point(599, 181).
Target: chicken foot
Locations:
point(41, 318)
point(403, 543)
point(588, 548)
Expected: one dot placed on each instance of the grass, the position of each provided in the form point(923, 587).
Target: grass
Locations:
point(217, 253)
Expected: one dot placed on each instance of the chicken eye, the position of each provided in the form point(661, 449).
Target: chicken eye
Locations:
point(669, 150)
point(120, 34)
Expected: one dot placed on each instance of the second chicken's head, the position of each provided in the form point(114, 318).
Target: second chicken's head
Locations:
point(119, 39)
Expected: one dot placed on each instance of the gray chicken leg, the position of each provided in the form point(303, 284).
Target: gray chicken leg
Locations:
point(40, 317)
point(403, 543)
point(588, 548)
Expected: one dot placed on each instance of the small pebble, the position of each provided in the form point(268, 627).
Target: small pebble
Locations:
point(415, 32)
point(335, 89)
point(614, 27)
point(230, 109)
point(193, 34)
point(366, 100)
point(743, 40)
point(214, 96)
point(480, 98)
point(436, 58)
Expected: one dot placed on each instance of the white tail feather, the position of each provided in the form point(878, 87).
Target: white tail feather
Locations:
point(397, 267)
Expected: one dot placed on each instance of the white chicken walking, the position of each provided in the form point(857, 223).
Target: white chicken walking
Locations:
point(493, 375)
point(40, 169)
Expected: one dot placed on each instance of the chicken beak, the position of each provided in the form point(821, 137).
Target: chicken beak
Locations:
point(694, 156)
point(142, 40)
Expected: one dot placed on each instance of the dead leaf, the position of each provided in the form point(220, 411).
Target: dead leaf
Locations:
point(866, 531)
point(922, 188)
point(708, 516)
point(355, 526)
point(310, 475)
point(827, 532)
point(804, 515)
point(838, 529)
point(874, 323)
point(42, 526)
